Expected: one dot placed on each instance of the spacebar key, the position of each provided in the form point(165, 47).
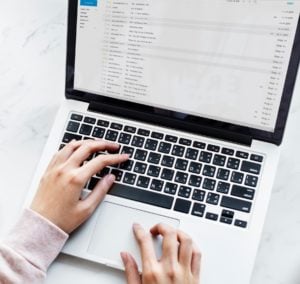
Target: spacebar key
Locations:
point(141, 195)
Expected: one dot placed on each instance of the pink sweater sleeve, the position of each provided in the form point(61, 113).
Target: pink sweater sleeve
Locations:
point(29, 249)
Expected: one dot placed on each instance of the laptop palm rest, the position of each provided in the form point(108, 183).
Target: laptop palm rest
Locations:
point(113, 232)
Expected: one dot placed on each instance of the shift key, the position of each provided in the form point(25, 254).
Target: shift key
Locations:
point(236, 204)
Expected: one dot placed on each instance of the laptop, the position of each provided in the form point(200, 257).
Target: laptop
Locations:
point(198, 93)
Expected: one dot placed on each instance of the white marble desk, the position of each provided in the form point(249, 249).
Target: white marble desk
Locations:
point(32, 58)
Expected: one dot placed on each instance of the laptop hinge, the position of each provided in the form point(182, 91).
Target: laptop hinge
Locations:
point(169, 122)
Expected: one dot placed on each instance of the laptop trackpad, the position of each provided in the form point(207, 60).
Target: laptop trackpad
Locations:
point(113, 232)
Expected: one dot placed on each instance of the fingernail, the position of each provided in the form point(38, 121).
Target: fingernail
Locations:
point(136, 226)
point(124, 257)
point(111, 178)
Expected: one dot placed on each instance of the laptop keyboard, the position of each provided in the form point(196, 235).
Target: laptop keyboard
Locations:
point(191, 177)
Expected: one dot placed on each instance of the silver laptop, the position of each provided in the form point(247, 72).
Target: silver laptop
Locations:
point(198, 93)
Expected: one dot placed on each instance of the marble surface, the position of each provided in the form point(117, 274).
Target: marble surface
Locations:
point(32, 60)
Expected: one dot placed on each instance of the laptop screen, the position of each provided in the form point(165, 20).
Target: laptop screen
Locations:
point(225, 60)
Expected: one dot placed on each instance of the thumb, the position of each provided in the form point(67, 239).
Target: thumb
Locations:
point(131, 269)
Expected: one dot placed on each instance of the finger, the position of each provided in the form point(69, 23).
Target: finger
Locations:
point(65, 153)
point(99, 163)
point(131, 269)
point(146, 247)
point(170, 243)
point(196, 261)
point(185, 249)
point(89, 147)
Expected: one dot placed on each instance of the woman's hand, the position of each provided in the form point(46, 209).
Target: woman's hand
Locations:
point(58, 198)
point(179, 264)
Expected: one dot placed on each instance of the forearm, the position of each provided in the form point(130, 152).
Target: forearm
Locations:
point(29, 249)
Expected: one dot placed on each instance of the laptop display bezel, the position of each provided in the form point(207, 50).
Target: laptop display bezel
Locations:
point(271, 137)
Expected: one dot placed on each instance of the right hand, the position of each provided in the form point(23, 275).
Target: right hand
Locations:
point(179, 264)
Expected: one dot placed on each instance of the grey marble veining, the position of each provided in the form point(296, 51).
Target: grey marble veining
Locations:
point(32, 60)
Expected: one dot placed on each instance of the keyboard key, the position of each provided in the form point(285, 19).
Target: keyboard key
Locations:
point(211, 216)
point(164, 147)
point(184, 191)
point(195, 168)
point(171, 188)
point(124, 138)
point(98, 132)
point(181, 177)
point(103, 123)
point(140, 155)
point(223, 174)
point(130, 129)
point(154, 158)
point(157, 135)
point(181, 164)
point(111, 135)
point(243, 192)
point(140, 195)
point(251, 180)
point(213, 198)
point(116, 126)
point(192, 154)
point(240, 223)
point(61, 146)
point(73, 126)
point(223, 187)
point(138, 141)
point(250, 167)
point(171, 138)
point(237, 177)
point(127, 166)
point(76, 117)
point(198, 209)
point(195, 181)
point(213, 148)
point(219, 160)
point(118, 174)
point(205, 157)
point(127, 150)
point(140, 168)
point(90, 120)
point(103, 173)
point(68, 137)
point(85, 129)
point(242, 155)
point(227, 213)
point(151, 144)
point(233, 163)
point(209, 171)
point(256, 158)
point(182, 205)
point(236, 204)
point(129, 178)
point(198, 195)
point(226, 220)
point(93, 182)
point(168, 161)
point(143, 132)
point(153, 171)
point(143, 182)
point(209, 184)
point(199, 145)
point(227, 151)
point(157, 185)
point(167, 174)
point(185, 142)
point(178, 150)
